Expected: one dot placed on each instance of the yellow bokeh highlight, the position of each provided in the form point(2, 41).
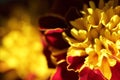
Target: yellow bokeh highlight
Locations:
point(22, 48)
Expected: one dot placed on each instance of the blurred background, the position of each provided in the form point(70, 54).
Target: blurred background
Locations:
point(34, 7)
point(21, 56)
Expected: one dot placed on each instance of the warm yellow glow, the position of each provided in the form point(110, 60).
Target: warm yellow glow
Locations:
point(22, 48)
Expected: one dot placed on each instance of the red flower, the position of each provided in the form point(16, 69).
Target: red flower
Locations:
point(75, 62)
point(88, 74)
point(116, 72)
point(63, 74)
point(55, 39)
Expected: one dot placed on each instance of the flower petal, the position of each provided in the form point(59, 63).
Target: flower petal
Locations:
point(54, 38)
point(105, 68)
point(116, 72)
point(63, 74)
point(88, 74)
point(75, 62)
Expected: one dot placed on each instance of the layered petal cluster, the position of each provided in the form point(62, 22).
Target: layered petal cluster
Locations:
point(96, 41)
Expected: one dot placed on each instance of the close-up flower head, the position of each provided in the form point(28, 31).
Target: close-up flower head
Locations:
point(59, 40)
point(94, 45)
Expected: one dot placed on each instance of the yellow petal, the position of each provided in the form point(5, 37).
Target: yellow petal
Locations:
point(94, 33)
point(85, 7)
point(117, 10)
point(74, 32)
point(78, 23)
point(111, 61)
point(101, 4)
point(118, 44)
point(110, 12)
point(105, 68)
point(114, 36)
point(92, 4)
point(72, 51)
point(79, 35)
point(104, 18)
point(82, 34)
point(97, 45)
point(91, 19)
point(91, 60)
point(107, 34)
point(113, 22)
point(90, 10)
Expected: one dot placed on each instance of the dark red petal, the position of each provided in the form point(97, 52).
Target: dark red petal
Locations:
point(84, 74)
point(75, 62)
point(95, 75)
point(88, 74)
point(63, 74)
point(57, 75)
point(116, 72)
point(47, 54)
point(56, 30)
point(55, 39)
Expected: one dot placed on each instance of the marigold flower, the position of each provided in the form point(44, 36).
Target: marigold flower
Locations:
point(62, 73)
point(96, 42)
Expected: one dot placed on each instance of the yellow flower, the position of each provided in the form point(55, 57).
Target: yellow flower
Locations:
point(97, 35)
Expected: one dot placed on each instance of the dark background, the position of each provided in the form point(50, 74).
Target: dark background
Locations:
point(37, 8)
